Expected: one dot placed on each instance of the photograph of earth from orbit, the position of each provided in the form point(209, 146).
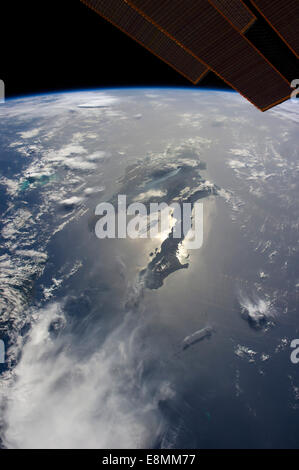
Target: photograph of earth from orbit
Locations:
point(95, 330)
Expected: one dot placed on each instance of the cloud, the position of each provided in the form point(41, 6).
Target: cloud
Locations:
point(288, 111)
point(152, 193)
point(72, 201)
point(63, 399)
point(101, 101)
point(30, 134)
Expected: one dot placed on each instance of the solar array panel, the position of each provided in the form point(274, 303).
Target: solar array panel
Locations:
point(283, 16)
point(195, 36)
point(126, 18)
point(205, 32)
point(236, 12)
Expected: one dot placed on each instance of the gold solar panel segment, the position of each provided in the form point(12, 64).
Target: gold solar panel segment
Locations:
point(204, 31)
point(283, 16)
point(236, 12)
point(126, 18)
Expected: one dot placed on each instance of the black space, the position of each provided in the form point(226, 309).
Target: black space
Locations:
point(63, 45)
